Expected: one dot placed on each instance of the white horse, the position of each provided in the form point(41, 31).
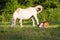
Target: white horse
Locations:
point(27, 13)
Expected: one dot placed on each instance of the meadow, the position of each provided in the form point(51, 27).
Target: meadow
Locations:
point(29, 33)
point(51, 13)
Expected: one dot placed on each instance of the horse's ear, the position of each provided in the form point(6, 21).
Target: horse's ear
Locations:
point(38, 9)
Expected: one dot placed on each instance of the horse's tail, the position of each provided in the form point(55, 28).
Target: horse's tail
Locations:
point(15, 16)
point(18, 9)
point(13, 22)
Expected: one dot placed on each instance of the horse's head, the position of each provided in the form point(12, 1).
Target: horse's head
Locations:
point(38, 8)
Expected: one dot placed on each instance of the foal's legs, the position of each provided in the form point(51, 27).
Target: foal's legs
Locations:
point(20, 22)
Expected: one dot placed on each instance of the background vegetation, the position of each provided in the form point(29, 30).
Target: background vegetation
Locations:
point(51, 11)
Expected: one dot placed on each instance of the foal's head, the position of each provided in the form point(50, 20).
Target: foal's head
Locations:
point(45, 24)
point(38, 8)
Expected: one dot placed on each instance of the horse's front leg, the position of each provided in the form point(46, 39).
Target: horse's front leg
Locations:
point(20, 22)
point(33, 21)
point(35, 16)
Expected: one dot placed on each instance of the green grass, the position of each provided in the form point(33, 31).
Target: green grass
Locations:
point(29, 33)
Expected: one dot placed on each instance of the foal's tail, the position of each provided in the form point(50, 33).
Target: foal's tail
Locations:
point(13, 22)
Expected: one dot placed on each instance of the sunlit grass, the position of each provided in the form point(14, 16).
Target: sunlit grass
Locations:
point(50, 26)
point(29, 33)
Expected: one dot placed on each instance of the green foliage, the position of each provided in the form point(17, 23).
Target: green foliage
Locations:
point(9, 8)
point(50, 15)
point(50, 12)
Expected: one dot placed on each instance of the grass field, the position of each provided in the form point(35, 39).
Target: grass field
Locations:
point(29, 33)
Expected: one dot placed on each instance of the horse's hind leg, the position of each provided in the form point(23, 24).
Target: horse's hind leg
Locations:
point(13, 22)
point(20, 22)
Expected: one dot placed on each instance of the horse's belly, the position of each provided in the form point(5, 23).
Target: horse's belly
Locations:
point(25, 16)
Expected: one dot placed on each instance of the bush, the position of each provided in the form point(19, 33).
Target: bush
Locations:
point(50, 12)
